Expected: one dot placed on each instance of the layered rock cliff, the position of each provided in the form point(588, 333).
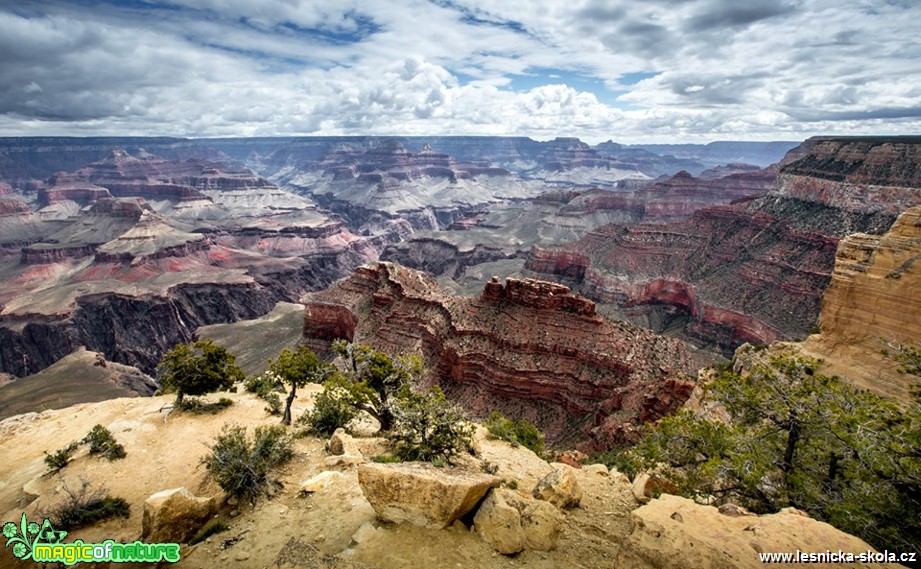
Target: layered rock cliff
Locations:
point(873, 299)
point(528, 348)
point(753, 271)
point(130, 254)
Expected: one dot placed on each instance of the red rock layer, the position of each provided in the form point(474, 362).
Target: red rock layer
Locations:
point(738, 275)
point(528, 348)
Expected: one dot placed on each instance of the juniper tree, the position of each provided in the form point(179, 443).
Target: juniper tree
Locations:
point(297, 369)
point(198, 368)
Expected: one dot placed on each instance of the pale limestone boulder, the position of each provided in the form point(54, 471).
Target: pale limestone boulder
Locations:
point(510, 521)
point(320, 482)
point(647, 485)
point(421, 494)
point(595, 469)
point(560, 487)
point(175, 516)
point(676, 533)
point(499, 523)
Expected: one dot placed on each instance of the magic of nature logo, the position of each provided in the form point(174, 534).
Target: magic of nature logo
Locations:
point(44, 544)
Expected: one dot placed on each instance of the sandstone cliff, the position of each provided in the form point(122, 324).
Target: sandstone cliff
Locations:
point(527, 348)
point(873, 298)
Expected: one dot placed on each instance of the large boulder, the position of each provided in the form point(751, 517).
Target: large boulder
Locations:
point(175, 516)
point(676, 533)
point(510, 521)
point(560, 487)
point(421, 494)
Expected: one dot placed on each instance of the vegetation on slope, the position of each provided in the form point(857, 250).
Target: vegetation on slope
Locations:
point(795, 437)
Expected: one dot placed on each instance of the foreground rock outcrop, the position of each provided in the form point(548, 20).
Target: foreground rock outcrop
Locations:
point(175, 516)
point(674, 533)
point(510, 522)
point(421, 494)
point(334, 525)
point(527, 348)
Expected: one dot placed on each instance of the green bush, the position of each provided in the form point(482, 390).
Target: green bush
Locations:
point(198, 406)
point(385, 459)
point(104, 444)
point(263, 384)
point(273, 403)
point(521, 432)
point(332, 409)
point(209, 529)
point(59, 459)
point(428, 427)
point(241, 466)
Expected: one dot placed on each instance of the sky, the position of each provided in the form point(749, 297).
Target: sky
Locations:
point(630, 71)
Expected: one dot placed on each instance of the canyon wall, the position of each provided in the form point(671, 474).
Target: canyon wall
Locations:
point(874, 298)
point(754, 271)
point(527, 348)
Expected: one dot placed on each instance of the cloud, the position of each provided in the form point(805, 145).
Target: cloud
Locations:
point(656, 70)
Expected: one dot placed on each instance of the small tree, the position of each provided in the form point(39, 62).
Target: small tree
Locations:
point(198, 368)
point(376, 377)
point(297, 369)
point(429, 427)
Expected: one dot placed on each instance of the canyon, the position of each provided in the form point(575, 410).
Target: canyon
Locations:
point(127, 249)
point(528, 348)
point(752, 271)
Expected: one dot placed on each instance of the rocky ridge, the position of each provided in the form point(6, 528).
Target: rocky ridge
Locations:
point(524, 347)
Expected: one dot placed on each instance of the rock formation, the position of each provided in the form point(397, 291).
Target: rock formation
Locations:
point(673, 532)
point(873, 298)
point(754, 271)
point(128, 255)
point(175, 516)
point(421, 494)
point(527, 348)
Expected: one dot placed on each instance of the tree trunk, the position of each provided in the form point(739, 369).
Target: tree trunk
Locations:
point(286, 418)
point(793, 436)
point(179, 396)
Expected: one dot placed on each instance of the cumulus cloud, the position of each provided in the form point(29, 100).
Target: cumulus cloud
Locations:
point(707, 69)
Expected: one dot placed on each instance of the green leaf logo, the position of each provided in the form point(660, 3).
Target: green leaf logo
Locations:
point(24, 537)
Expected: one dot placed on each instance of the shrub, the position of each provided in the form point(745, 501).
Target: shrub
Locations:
point(273, 403)
point(521, 432)
point(428, 427)
point(241, 467)
point(59, 459)
point(198, 406)
point(209, 529)
point(333, 409)
point(263, 384)
point(84, 507)
point(104, 444)
point(385, 459)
